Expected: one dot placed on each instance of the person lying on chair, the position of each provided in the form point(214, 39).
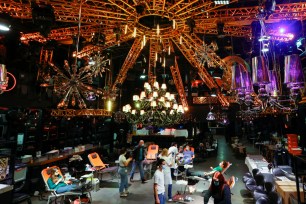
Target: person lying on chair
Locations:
point(188, 155)
point(223, 166)
point(57, 182)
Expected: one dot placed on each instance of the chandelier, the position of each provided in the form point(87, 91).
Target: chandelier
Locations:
point(4, 79)
point(73, 83)
point(271, 97)
point(155, 106)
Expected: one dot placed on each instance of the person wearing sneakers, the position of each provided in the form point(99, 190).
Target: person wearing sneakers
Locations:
point(122, 170)
point(159, 182)
point(138, 158)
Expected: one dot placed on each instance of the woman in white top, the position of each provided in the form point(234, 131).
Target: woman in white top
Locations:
point(123, 163)
point(167, 172)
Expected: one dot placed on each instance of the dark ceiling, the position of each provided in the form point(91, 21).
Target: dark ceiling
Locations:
point(22, 59)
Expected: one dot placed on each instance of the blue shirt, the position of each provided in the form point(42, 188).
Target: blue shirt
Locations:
point(188, 154)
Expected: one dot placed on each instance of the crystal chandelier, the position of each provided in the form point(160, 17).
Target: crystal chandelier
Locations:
point(271, 97)
point(154, 107)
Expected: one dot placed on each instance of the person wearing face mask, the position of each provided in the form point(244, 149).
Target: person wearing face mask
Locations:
point(138, 158)
point(123, 163)
point(167, 172)
point(159, 183)
point(219, 190)
point(57, 182)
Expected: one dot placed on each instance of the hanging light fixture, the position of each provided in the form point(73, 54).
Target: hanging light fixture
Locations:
point(154, 106)
point(4, 79)
point(269, 99)
point(211, 116)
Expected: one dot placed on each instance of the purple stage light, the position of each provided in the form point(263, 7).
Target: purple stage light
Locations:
point(282, 30)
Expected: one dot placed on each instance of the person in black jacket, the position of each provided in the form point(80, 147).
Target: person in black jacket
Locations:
point(219, 189)
point(138, 158)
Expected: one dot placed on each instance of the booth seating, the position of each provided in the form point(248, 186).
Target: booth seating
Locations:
point(100, 168)
point(53, 194)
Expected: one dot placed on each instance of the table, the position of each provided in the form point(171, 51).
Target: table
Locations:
point(286, 190)
point(257, 162)
point(45, 160)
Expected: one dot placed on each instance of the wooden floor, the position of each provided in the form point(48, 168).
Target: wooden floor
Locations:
point(143, 193)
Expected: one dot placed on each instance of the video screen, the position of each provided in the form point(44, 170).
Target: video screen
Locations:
point(20, 138)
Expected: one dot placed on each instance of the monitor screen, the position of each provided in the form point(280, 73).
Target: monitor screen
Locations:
point(20, 138)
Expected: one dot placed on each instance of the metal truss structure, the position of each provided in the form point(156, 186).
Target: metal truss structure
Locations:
point(185, 19)
point(81, 112)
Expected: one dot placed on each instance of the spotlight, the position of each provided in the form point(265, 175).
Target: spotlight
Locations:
point(5, 22)
point(43, 17)
point(282, 30)
point(4, 27)
point(217, 74)
point(265, 47)
point(213, 92)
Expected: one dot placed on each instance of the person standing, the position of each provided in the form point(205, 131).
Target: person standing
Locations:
point(167, 173)
point(123, 163)
point(138, 158)
point(219, 190)
point(159, 183)
point(173, 152)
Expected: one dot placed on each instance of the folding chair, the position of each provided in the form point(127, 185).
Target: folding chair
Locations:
point(101, 168)
point(151, 157)
point(152, 152)
point(45, 175)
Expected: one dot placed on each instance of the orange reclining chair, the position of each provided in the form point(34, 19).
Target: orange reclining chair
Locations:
point(152, 152)
point(46, 175)
point(100, 167)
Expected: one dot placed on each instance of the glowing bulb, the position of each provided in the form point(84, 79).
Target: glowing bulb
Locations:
point(173, 24)
point(144, 40)
point(125, 29)
point(135, 31)
point(169, 50)
point(181, 40)
point(157, 30)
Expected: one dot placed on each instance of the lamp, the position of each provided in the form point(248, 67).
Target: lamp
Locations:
point(269, 97)
point(211, 116)
point(4, 79)
point(154, 107)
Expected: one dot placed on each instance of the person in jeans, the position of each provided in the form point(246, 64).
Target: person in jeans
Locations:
point(219, 190)
point(159, 183)
point(57, 182)
point(167, 172)
point(138, 158)
point(123, 163)
point(173, 152)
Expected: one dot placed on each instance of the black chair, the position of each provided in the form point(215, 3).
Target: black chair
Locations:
point(278, 172)
point(274, 198)
point(248, 175)
point(260, 193)
point(263, 200)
